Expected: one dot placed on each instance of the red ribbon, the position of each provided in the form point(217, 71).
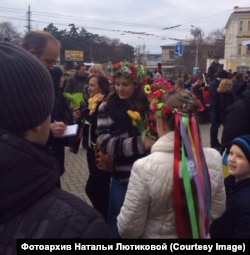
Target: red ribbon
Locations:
point(177, 180)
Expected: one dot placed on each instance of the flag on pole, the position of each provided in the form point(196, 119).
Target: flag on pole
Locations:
point(247, 43)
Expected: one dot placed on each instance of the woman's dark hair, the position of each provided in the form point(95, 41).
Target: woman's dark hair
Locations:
point(138, 101)
point(103, 82)
point(78, 66)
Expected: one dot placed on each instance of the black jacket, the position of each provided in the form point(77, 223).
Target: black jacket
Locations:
point(239, 87)
point(235, 222)
point(213, 69)
point(225, 101)
point(214, 95)
point(31, 205)
point(237, 121)
point(59, 114)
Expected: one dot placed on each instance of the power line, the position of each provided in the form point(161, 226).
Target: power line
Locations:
point(113, 22)
point(76, 18)
point(56, 18)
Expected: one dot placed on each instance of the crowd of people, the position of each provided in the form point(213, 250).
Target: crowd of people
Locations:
point(162, 184)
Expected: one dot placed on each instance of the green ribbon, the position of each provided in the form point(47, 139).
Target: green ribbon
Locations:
point(187, 185)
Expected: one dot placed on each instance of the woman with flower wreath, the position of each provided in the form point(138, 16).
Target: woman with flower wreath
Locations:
point(120, 124)
point(177, 190)
point(97, 187)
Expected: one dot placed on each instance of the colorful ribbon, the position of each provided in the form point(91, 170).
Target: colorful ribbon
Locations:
point(189, 152)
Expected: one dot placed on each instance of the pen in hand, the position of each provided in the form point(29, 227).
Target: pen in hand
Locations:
point(57, 128)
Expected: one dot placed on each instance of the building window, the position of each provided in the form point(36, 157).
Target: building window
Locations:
point(171, 54)
point(242, 69)
point(239, 49)
point(241, 26)
point(248, 49)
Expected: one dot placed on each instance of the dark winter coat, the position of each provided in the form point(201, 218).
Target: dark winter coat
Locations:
point(214, 95)
point(215, 100)
point(60, 113)
point(213, 69)
point(225, 100)
point(235, 222)
point(31, 204)
point(239, 87)
point(237, 121)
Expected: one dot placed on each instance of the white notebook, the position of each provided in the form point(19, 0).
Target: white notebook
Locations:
point(71, 130)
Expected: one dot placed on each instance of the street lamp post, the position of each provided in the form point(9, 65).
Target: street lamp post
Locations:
point(197, 44)
point(143, 52)
point(196, 53)
point(90, 53)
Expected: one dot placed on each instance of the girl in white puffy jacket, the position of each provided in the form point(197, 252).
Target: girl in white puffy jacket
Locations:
point(177, 190)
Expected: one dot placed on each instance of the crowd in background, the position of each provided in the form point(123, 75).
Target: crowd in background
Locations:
point(162, 183)
point(216, 92)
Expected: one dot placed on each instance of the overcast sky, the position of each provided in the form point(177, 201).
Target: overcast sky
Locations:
point(135, 22)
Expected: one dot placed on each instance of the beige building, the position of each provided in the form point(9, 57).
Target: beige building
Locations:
point(237, 51)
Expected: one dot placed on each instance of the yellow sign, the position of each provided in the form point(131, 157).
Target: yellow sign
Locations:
point(73, 55)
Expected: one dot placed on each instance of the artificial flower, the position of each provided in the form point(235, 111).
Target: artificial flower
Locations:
point(155, 92)
point(138, 121)
point(145, 79)
point(135, 116)
point(134, 72)
point(167, 111)
point(117, 65)
point(93, 102)
point(147, 88)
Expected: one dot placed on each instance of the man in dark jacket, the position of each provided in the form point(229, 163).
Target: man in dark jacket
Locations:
point(214, 69)
point(76, 92)
point(46, 48)
point(59, 114)
point(32, 206)
point(76, 89)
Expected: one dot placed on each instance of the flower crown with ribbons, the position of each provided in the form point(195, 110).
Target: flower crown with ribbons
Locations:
point(190, 166)
point(155, 91)
point(135, 73)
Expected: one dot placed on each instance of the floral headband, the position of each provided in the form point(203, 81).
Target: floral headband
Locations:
point(155, 92)
point(136, 73)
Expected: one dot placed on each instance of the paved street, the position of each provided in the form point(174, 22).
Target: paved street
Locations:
point(75, 177)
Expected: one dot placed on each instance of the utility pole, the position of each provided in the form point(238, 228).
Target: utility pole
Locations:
point(29, 19)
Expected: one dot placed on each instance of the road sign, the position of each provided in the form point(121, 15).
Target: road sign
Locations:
point(179, 49)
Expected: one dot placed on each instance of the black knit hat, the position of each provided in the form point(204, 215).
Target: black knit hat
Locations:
point(26, 89)
point(223, 74)
point(244, 143)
